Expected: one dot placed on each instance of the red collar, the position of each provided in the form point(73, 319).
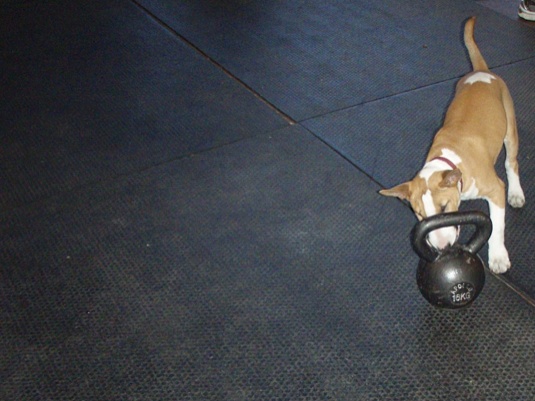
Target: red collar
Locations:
point(451, 164)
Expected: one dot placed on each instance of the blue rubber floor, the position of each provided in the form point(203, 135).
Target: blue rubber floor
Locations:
point(93, 91)
point(189, 206)
point(312, 57)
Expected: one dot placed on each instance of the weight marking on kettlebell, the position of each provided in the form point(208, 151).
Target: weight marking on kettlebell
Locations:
point(462, 293)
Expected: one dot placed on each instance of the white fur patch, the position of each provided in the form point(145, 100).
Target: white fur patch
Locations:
point(479, 77)
point(436, 165)
point(441, 237)
point(429, 205)
point(445, 236)
point(472, 192)
point(430, 167)
point(451, 156)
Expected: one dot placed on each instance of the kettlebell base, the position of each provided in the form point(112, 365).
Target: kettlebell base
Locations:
point(450, 284)
point(439, 304)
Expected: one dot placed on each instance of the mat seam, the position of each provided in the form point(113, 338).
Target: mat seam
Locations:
point(210, 59)
point(402, 93)
point(118, 176)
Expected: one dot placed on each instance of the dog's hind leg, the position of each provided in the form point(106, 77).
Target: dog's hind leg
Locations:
point(498, 255)
point(515, 194)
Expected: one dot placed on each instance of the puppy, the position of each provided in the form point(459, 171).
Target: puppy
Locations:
point(460, 162)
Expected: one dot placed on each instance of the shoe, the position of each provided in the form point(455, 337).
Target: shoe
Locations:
point(526, 10)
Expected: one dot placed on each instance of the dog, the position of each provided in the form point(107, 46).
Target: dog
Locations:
point(460, 163)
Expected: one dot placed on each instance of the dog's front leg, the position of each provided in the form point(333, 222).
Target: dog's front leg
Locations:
point(498, 256)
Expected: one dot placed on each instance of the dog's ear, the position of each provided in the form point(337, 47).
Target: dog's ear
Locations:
point(451, 178)
point(400, 191)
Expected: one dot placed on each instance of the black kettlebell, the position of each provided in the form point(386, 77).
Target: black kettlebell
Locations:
point(451, 278)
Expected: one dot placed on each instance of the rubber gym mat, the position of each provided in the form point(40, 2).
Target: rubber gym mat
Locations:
point(313, 57)
point(94, 90)
point(389, 139)
point(266, 269)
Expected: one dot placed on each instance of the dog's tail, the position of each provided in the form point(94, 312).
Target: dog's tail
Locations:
point(477, 60)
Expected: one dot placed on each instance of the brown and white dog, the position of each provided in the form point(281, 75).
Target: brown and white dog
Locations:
point(460, 163)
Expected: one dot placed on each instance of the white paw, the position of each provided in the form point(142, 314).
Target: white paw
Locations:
point(516, 199)
point(499, 261)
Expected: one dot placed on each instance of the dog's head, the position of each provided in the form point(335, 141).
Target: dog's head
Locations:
point(430, 193)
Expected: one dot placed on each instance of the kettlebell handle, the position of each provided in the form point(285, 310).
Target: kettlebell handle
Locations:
point(480, 220)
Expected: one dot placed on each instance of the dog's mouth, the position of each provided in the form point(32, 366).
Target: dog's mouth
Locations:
point(440, 241)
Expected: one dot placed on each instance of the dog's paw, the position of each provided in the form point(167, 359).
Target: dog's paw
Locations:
point(499, 261)
point(515, 195)
point(516, 199)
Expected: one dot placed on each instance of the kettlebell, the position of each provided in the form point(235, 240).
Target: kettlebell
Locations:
point(453, 277)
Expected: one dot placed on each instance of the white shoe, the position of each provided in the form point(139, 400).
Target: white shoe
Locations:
point(526, 10)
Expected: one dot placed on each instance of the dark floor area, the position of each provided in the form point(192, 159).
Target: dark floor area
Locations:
point(189, 206)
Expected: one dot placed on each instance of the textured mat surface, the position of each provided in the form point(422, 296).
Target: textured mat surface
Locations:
point(279, 273)
point(312, 57)
point(389, 139)
point(94, 90)
point(262, 266)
